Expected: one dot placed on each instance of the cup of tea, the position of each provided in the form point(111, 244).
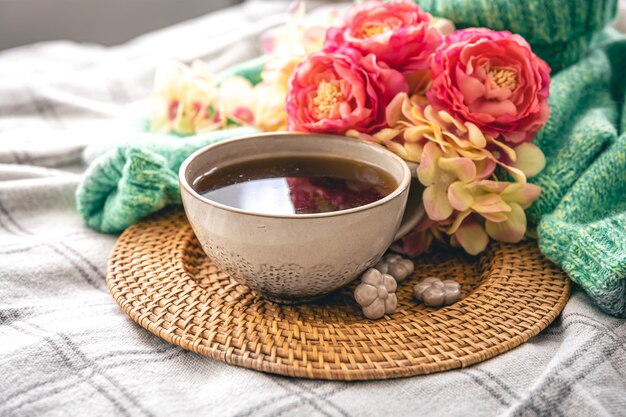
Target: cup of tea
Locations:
point(295, 216)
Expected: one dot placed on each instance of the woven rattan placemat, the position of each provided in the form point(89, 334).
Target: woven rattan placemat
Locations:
point(162, 279)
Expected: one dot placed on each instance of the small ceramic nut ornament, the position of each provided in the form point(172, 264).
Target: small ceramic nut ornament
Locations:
point(435, 293)
point(396, 266)
point(376, 294)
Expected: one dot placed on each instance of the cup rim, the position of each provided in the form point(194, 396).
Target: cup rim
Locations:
point(402, 186)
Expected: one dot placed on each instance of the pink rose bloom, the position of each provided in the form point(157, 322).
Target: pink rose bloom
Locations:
point(398, 33)
point(493, 80)
point(332, 93)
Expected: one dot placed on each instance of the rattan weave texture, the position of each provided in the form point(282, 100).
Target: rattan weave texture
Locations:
point(162, 279)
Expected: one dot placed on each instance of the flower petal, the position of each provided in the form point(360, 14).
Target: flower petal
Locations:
point(386, 134)
point(398, 149)
point(490, 203)
point(459, 196)
point(522, 194)
point(495, 109)
point(510, 152)
point(428, 169)
point(530, 159)
point(517, 174)
point(413, 151)
point(511, 230)
point(415, 133)
point(436, 203)
point(472, 238)
point(458, 221)
point(462, 168)
point(475, 135)
point(394, 109)
point(484, 168)
point(470, 87)
point(496, 217)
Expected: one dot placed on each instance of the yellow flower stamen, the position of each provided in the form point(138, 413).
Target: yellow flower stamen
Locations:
point(504, 78)
point(328, 95)
point(372, 30)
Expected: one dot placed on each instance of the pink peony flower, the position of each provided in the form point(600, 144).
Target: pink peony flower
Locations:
point(331, 93)
point(493, 80)
point(399, 33)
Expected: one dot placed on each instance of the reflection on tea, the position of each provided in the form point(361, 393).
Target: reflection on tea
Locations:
point(295, 184)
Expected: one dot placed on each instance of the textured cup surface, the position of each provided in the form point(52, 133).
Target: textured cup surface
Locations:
point(291, 258)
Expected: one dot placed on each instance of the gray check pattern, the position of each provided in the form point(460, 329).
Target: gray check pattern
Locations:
point(66, 349)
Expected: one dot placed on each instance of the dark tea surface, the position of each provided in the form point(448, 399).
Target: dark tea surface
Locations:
point(295, 184)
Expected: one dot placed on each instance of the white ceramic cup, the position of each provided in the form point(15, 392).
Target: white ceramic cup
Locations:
point(296, 257)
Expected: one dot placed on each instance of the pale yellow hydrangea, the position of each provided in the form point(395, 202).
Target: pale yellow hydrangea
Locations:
point(462, 196)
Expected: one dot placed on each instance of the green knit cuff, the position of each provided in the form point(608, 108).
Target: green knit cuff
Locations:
point(593, 256)
point(124, 186)
point(134, 180)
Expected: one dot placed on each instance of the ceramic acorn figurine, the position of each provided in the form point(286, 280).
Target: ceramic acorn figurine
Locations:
point(376, 294)
point(434, 292)
point(396, 266)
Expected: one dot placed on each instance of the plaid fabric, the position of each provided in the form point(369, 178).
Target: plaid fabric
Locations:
point(67, 349)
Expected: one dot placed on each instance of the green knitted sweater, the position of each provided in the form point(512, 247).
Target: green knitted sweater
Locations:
point(581, 213)
point(134, 180)
point(582, 209)
point(560, 31)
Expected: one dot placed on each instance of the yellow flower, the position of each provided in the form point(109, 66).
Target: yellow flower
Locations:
point(270, 94)
point(190, 99)
point(269, 108)
point(278, 69)
point(183, 99)
point(235, 101)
